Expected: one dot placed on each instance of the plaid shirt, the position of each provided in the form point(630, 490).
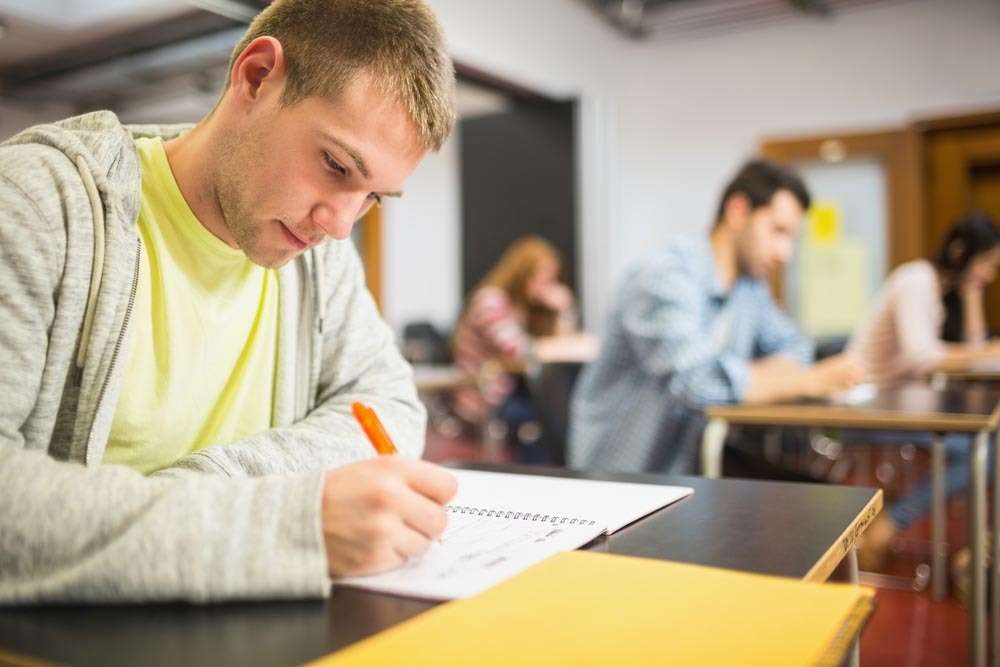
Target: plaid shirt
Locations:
point(675, 342)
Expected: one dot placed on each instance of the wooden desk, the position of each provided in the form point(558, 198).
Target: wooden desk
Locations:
point(971, 374)
point(580, 347)
point(968, 408)
point(433, 378)
point(778, 528)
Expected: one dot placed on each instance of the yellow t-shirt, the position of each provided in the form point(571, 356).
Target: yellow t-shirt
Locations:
point(204, 324)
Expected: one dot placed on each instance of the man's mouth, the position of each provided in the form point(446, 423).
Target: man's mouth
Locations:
point(297, 243)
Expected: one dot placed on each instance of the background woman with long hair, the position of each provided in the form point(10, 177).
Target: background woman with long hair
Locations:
point(519, 300)
point(928, 316)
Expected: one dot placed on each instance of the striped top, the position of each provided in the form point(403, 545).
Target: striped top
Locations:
point(491, 329)
point(900, 337)
point(675, 341)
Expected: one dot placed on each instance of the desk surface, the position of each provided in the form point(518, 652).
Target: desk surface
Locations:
point(912, 407)
point(430, 378)
point(778, 528)
point(972, 373)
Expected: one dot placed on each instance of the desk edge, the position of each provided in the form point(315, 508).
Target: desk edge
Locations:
point(828, 562)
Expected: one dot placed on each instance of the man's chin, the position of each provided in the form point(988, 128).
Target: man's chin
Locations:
point(271, 261)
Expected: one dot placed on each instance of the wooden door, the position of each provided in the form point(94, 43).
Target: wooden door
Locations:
point(367, 236)
point(963, 175)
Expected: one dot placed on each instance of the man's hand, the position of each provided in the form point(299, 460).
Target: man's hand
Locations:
point(379, 512)
point(833, 374)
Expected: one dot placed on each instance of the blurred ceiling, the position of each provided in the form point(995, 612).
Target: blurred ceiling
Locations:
point(646, 19)
point(105, 53)
point(46, 39)
point(150, 60)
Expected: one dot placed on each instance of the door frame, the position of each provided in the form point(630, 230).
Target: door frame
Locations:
point(898, 151)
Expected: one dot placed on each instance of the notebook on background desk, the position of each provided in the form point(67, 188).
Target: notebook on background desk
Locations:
point(500, 523)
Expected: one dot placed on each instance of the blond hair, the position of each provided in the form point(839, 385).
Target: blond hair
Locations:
point(512, 273)
point(398, 43)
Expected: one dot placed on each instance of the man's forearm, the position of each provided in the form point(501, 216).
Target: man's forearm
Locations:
point(122, 538)
point(777, 378)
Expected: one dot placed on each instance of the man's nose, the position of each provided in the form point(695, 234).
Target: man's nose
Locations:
point(336, 216)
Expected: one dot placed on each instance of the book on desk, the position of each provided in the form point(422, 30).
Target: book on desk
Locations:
point(586, 608)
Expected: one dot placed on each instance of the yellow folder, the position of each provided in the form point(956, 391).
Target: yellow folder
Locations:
point(584, 608)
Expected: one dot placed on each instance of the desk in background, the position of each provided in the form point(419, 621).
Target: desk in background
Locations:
point(804, 531)
point(967, 408)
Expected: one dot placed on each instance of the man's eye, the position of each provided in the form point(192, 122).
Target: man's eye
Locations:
point(333, 165)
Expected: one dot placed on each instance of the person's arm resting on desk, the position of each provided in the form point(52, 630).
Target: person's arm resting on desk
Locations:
point(917, 328)
point(782, 370)
point(662, 317)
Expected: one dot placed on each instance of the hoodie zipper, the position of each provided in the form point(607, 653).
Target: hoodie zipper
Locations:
point(119, 342)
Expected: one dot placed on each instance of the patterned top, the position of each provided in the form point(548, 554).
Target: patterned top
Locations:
point(899, 340)
point(675, 342)
point(490, 330)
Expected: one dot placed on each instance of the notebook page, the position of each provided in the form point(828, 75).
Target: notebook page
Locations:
point(612, 505)
point(475, 552)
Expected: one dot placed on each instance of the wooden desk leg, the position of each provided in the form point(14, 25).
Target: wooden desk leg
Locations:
point(977, 545)
point(939, 521)
point(712, 441)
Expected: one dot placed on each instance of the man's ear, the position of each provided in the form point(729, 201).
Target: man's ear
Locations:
point(258, 70)
point(736, 211)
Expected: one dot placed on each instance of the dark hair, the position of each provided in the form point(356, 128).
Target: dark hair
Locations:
point(759, 180)
point(977, 233)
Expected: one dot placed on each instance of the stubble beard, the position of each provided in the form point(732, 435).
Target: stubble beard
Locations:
point(235, 156)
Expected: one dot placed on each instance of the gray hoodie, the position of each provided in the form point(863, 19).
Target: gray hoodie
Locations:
point(236, 520)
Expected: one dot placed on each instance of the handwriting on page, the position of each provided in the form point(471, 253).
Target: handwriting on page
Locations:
point(476, 552)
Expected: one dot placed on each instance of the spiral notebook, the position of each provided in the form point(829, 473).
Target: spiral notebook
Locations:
point(500, 523)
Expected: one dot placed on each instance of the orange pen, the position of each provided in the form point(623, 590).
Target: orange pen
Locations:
point(373, 428)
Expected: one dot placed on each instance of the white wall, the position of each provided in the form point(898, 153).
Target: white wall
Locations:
point(555, 46)
point(421, 263)
point(695, 109)
point(665, 122)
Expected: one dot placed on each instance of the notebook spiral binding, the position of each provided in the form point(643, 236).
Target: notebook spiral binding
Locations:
point(522, 516)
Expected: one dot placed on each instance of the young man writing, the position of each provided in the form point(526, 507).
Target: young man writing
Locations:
point(182, 342)
point(694, 325)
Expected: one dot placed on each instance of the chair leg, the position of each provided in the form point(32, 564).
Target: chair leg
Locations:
point(712, 442)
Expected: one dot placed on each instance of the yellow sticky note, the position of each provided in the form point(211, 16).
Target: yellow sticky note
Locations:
point(824, 223)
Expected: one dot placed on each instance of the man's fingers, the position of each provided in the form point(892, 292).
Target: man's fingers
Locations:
point(430, 480)
point(423, 515)
point(409, 543)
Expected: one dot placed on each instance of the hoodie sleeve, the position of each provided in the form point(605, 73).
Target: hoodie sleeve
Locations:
point(360, 362)
point(106, 533)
